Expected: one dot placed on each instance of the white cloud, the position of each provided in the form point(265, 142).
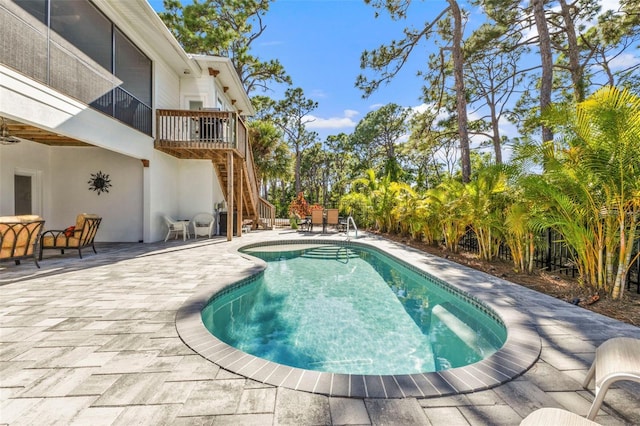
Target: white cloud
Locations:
point(345, 122)
point(609, 5)
point(624, 61)
point(422, 108)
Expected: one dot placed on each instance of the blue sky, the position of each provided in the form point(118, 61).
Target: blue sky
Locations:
point(319, 42)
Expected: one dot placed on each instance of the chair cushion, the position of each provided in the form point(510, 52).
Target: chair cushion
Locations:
point(19, 232)
point(61, 241)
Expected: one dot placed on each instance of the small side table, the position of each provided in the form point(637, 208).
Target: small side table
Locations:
point(185, 232)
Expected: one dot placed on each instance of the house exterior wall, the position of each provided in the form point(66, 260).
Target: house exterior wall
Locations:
point(163, 193)
point(25, 158)
point(64, 189)
point(197, 88)
point(142, 192)
point(120, 208)
point(196, 183)
point(166, 85)
point(32, 102)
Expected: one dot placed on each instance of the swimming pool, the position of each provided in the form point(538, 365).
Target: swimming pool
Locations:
point(351, 310)
point(518, 354)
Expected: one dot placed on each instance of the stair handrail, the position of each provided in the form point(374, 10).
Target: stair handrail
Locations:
point(350, 219)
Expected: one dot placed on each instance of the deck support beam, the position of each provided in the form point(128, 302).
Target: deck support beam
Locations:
point(230, 195)
point(240, 199)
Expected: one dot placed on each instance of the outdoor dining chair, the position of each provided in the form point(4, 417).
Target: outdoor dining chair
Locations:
point(317, 218)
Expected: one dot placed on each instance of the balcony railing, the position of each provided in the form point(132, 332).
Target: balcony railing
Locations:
point(126, 108)
point(201, 129)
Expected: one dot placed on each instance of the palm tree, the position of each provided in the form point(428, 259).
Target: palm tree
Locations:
point(608, 135)
point(449, 203)
point(594, 186)
point(486, 199)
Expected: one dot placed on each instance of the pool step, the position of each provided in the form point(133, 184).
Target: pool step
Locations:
point(330, 252)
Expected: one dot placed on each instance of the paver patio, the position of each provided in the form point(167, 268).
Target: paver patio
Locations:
point(93, 341)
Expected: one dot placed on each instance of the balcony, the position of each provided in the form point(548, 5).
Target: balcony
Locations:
point(200, 134)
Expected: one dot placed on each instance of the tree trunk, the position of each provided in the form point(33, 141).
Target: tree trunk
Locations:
point(531, 253)
point(626, 248)
point(497, 145)
point(546, 57)
point(461, 101)
point(297, 170)
point(573, 52)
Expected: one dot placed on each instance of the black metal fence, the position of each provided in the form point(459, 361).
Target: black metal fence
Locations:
point(552, 254)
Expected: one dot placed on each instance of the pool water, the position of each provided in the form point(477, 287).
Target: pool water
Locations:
point(352, 311)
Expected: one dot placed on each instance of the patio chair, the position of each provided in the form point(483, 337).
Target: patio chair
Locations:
point(19, 236)
point(176, 227)
point(333, 217)
point(203, 225)
point(317, 218)
point(76, 237)
point(555, 416)
point(616, 359)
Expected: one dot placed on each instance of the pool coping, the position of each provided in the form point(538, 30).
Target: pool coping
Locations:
point(520, 351)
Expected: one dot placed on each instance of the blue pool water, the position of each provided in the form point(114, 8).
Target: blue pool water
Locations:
point(350, 310)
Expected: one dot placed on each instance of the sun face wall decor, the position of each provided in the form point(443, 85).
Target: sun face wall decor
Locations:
point(99, 182)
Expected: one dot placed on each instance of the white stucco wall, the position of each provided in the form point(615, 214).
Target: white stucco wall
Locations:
point(196, 181)
point(24, 157)
point(163, 193)
point(65, 190)
point(120, 208)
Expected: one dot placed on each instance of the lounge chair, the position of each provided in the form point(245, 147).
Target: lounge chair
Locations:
point(616, 359)
point(555, 417)
point(76, 237)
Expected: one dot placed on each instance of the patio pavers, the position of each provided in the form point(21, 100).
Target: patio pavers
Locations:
point(93, 341)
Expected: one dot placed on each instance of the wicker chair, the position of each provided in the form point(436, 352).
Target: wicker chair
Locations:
point(203, 224)
point(176, 227)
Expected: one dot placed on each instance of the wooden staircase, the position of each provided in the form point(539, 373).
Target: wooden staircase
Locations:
point(240, 178)
point(221, 137)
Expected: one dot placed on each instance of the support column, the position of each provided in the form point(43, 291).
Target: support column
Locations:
point(240, 198)
point(230, 195)
point(147, 223)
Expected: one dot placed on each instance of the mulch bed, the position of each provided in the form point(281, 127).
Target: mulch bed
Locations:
point(554, 284)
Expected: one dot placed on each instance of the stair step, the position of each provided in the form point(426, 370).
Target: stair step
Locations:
point(330, 252)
